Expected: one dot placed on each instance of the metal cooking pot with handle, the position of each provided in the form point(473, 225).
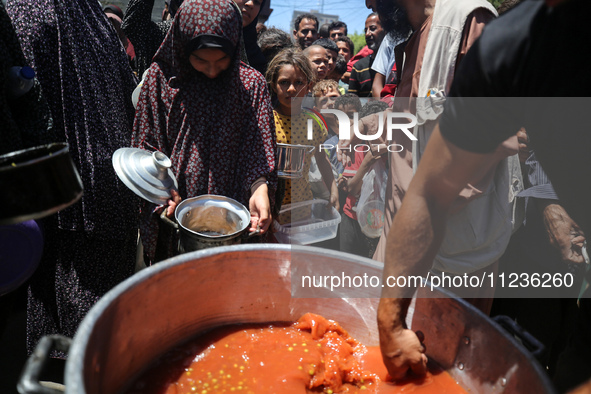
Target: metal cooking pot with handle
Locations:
point(291, 159)
point(209, 221)
point(198, 291)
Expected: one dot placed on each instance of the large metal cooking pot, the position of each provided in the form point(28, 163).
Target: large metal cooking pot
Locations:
point(166, 304)
point(291, 159)
point(37, 182)
point(209, 221)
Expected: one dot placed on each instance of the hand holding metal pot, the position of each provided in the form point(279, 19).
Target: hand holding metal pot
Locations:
point(175, 199)
point(402, 349)
point(150, 176)
point(260, 208)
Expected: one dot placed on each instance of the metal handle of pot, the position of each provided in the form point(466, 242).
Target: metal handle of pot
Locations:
point(310, 148)
point(533, 345)
point(166, 220)
point(255, 233)
point(30, 381)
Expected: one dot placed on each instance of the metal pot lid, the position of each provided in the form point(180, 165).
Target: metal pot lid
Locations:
point(147, 174)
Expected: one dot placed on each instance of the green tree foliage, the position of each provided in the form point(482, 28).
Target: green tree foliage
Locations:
point(358, 39)
point(496, 3)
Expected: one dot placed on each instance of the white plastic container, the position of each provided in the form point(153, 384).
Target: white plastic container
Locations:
point(319, 225)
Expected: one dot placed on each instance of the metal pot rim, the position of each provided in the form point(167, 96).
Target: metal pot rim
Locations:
point(75, 364)
point(50, 150)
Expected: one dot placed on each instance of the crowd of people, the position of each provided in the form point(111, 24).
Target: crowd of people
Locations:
point(463, 191)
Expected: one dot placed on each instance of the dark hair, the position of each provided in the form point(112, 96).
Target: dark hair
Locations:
point(260, 27)
point(349, 42)
point(394, 19)
point(327, 44)
point(372, 107)
point(340, 65)
point(296, 24)
point(272, 41)
point(113, 9)
point(323, 32)
point(337, 25)
point(348, 98)
point(173, 7)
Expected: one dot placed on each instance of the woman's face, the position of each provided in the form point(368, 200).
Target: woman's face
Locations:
point(291, 84)
point(210, 61)
point(250, 9)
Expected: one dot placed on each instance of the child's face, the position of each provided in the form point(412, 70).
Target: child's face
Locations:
point(210, 61)
point(344, 50)
point(349, 109)
point(326, 101)
point(319, 58)
point(332, 61)
point(291, 84)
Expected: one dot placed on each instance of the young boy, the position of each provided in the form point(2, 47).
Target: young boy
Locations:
point(352, 238)
point(325, 93)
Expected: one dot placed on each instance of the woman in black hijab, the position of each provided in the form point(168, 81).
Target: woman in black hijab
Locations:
point(250, 13)
point(146, 35)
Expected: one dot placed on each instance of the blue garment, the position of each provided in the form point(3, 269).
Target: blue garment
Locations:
point(385, 59)
point(332, 153)
point(537, 184)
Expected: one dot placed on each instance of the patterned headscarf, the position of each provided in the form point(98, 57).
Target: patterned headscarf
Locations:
point(219, 133)
point(196, 23)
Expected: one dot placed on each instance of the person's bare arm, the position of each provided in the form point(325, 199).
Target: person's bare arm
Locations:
point(378, 84)
point(353, 185)
point(326, 171)
point(346, 76)
point(417, 233)
point(564, 234)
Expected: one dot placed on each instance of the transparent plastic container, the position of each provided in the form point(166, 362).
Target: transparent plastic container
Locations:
point(314, 223)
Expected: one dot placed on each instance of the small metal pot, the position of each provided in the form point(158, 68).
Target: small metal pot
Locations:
point(208, 221)
point(37, 182)
point(291, 159)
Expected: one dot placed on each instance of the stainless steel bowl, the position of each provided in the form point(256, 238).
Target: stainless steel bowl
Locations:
point(227, 224)
point(291, 159)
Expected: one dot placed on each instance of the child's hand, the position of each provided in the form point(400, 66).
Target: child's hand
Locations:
point(334, 197)
point(343, 183)
point(342, 152)
point(260, 209)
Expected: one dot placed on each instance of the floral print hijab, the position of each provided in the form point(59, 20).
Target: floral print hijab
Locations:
point(219, 133)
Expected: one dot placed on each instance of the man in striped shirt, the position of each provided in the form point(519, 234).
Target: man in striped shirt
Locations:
point(362, 75)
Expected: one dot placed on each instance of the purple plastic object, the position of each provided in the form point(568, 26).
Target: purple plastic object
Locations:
point(21, 246)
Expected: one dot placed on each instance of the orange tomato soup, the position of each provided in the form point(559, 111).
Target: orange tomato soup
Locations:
point(313, 355)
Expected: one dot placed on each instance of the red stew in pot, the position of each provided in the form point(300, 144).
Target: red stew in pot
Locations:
point(313, 355)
